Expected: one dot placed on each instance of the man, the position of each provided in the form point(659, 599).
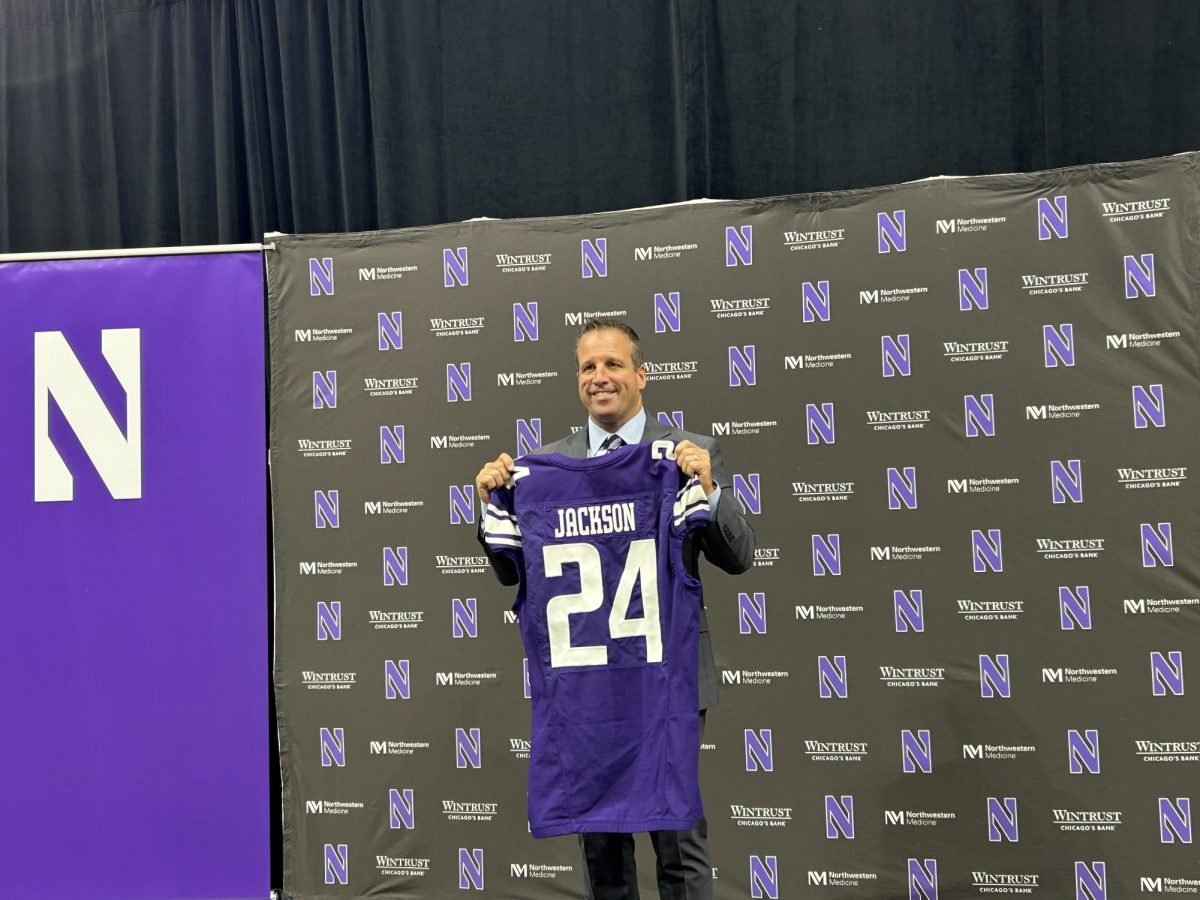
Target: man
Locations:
point(611, 377)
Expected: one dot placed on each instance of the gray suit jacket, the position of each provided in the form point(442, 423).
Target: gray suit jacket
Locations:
point(727, 542)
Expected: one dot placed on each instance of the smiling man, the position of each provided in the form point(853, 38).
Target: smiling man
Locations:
point(611, 378)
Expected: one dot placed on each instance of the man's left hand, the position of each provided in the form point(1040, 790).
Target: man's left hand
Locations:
point(694, 462)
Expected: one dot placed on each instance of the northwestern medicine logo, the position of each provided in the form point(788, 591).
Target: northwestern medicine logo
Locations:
point(116, 456)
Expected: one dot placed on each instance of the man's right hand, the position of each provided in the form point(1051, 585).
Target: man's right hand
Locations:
point(494, 475)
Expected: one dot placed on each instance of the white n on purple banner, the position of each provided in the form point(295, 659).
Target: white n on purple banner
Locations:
point(134, 588)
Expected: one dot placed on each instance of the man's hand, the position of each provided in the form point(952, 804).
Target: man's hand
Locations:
point(694, 461)
point(496, 474)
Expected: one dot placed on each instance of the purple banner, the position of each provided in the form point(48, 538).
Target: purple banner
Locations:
point(134, 590)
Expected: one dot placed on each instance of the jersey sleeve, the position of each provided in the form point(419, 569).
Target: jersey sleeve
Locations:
point(500, 529)
point(691, 508)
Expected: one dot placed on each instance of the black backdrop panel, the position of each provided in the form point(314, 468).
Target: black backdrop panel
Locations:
point(959, 414)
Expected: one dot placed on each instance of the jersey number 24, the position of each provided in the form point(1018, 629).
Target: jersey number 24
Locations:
point(641, 565)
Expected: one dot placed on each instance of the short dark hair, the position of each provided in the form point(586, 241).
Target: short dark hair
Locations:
point(612, 325)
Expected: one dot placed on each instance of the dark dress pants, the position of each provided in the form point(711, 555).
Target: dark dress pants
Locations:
point(684, 869)
point(684, 866)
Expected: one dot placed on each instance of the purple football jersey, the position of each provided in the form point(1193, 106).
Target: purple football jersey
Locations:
point(610, 620)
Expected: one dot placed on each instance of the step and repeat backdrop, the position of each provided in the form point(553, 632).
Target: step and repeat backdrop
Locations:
point(960, 415)
point(136, 685)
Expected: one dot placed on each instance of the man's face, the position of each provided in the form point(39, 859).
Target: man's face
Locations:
point(609, 386)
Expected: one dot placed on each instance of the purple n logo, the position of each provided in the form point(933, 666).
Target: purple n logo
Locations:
point(320, 277)
point(891, 231)
point(739, 245)
point(666, 312)
point(1139, 276)
point(897, 356)
point(972, 289)
point(400, 808)
point(391, 331)
point(594, 257)
point(1052, 217)
point(454, 267)
point(1058, 345)
point(814, 301)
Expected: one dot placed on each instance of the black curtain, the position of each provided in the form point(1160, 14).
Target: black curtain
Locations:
point(128, 123)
